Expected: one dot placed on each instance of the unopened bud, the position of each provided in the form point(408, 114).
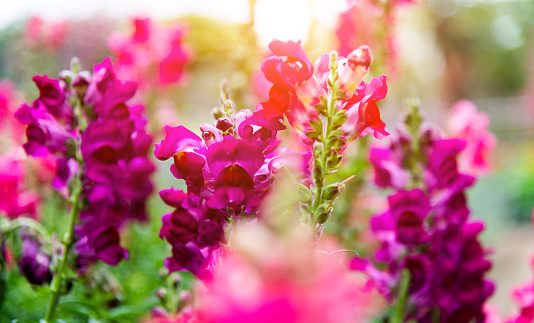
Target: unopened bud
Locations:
point(184, 296)
point(65, 76)
point(224, 90)
point(228, 107)
point(161, 294)
point(333, 60)
point(176, 280)
point(304, 193)
point(217, 113)
point(354, 69)
point(322, 217)
point(331, 191)
point(80, 83)
point(163, 272)
point(75, 65)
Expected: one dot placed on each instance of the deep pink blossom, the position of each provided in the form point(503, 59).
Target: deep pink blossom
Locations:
point(362, 111)
point(297, 90)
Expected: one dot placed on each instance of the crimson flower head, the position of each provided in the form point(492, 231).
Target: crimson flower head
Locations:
point(233, 164)
point(289, 66)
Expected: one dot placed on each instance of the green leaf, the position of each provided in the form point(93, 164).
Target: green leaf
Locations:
point(127, 310)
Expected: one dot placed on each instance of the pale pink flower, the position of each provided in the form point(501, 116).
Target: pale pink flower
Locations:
point(467, 123)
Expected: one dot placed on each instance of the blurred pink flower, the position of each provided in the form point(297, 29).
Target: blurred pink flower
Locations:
point(9, 102)
point(274, 279)
point(151, 55)
point(50, 36)
point(467, 123)
point(14, 199)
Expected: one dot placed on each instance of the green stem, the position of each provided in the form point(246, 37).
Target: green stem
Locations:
point(397, 316)
point(319, 182)
point(24, 222)
point(55, 285)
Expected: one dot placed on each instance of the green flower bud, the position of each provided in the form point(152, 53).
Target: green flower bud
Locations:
point(339, 118)
point(331, 191)
point(324, 215)
point(304, 194)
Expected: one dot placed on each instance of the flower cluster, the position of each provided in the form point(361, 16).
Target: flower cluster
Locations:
point(466, 123)
point(114, 148)
point(151, 55)
point(227, 172)
point(301, 95)
point(98, 141)
point(426, 231)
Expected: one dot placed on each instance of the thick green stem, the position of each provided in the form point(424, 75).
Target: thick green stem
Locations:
point(397, 315)
point(55, 285)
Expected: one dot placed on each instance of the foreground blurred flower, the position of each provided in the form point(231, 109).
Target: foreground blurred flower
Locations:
point(272, 278)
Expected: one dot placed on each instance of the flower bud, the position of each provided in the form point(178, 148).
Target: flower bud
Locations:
point(80, 83)
point(217, 113)
point(176, 280)
point(184, 296)
point(353, 70)
point(331, 191)
point(224, 90)
point(304, 193)
point(163, 272)
point(323, 215)
point(75, 65)
point(228, 107)
point(340, 118)
point(161, 294)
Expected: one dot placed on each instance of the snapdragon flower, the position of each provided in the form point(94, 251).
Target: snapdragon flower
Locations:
point(426, 232)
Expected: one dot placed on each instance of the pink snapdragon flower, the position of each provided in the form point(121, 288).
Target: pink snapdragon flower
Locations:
point(465, 122)
point(151, 55)
point(297, 90)
point(109, 156)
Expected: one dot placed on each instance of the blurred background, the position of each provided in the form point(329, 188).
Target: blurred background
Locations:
point(441, 50)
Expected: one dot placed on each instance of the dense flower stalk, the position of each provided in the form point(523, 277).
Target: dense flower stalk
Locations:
point(426, 231)
point(100, 146)
point(328, 109)
point(227, 172)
